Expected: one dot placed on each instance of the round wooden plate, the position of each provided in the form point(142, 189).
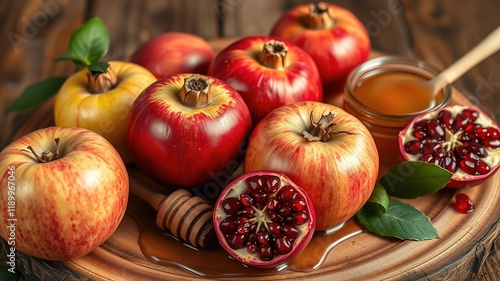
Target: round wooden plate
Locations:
point(464, 240)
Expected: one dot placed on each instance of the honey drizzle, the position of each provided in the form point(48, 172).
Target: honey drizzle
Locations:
point(163, 248)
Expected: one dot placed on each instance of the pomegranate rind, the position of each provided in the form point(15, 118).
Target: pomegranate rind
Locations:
point(238, 186)
point(459, 179)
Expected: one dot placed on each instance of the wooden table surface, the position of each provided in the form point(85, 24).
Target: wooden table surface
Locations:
point(33, 32)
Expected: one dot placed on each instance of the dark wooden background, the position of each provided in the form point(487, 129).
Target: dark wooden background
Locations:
point(33, 32)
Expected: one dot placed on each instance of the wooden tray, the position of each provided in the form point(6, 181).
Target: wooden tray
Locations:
point(465, 239)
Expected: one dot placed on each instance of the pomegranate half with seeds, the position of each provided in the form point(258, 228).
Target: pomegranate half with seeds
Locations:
point(263, 219)
point(460, 139)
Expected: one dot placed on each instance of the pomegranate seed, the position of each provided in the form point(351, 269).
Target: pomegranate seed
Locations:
point(272, 203)
point(261, 199)
point(430, 148)
point(272, 184)
point(252, 239)
point(275, 217)
point(227, 225)
point(297, 204)
point(435, 130)
point(461, 121)
point(285, 211)
point(477, 148)
point(252, 249)
point(446, 119)
point(255, 184)
point(237, 241)
point(472, 127)
point(493, 133)
point(440, 153)
point(266, 253)
point(282, 245)
point(468, 166)
point(275, 229)
point(246, 199)
point(290, 231)
point(413, 147)
point(419, 134)
point(246, 212)
point(301, 217)
point(463, 203)
point(263, 237)
point(450, 162)
point(245, 228)
point(483, 168)
point(492, 143)
point(481, 132)
point(421, 124)
point(426, 158)
point(472, 114)
point(231, 205)
point(240, 220)
point(286, 194)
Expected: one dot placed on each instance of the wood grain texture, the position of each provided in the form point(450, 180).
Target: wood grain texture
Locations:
point(436, 31)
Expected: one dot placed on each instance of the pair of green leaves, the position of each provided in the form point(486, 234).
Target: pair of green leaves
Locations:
point(393, 218)
point(88, 44)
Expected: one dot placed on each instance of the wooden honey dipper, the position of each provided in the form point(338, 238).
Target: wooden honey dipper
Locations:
point(187, 217)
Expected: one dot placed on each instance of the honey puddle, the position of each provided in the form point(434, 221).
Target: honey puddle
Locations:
point(162, 248)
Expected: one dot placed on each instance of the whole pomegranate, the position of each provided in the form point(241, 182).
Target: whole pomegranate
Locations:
point(324, 150)
point(268, 73)
point(333, 36)
point(461, 139)
point(264, 219)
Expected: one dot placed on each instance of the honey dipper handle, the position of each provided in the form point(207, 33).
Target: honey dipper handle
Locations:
point(153, 198)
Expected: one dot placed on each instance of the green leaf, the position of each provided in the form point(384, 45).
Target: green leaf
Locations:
point(7, 275)
point(37, 93)
point(99, 66)
point(412, 179)
point(90, 41)
point(379, 200)
point(401, 221)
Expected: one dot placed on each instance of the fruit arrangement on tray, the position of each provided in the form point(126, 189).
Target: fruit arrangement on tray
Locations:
point(294, 167)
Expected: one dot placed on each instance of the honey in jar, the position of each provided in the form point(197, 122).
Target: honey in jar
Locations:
point(380, 94)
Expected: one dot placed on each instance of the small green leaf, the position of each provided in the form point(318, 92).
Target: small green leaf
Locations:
point(412, 179)
point(37, 93)
point(90, 41)
point(379, 200)
point(401, 221)
point(6, 274)
point(99, 66)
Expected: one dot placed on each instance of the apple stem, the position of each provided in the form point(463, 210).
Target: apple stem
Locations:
point(322, 130)
point(101, 82)
point(46, 156)
point(273, 54)
point(319, 17)
point(196, 91)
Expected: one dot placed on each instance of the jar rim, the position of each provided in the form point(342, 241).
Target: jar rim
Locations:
point(392, 63)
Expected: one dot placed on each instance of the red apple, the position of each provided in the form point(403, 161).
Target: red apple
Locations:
point(324, 150)
point(173, 53)
point(187, 129)
point(64, 192)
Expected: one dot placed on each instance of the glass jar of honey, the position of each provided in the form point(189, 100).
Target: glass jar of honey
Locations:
point(377, 93)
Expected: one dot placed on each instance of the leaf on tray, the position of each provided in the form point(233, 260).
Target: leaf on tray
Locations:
point(401, 221)
point(37, 93)
point(412, 179)
point(379, 199)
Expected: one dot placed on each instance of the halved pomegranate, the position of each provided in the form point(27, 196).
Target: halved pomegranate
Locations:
point(262, 219)
point(461, 139)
